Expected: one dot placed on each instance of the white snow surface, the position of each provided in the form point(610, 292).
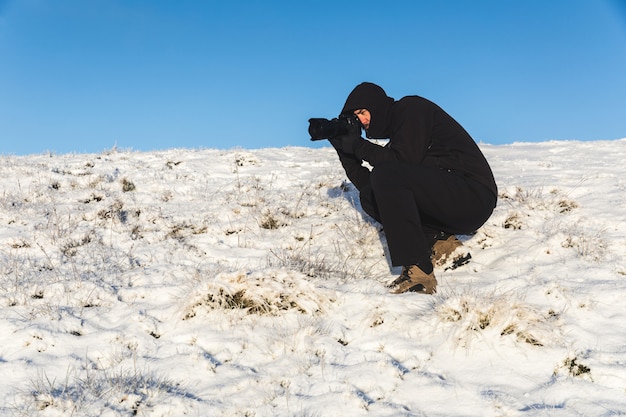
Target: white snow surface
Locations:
point(250, 283)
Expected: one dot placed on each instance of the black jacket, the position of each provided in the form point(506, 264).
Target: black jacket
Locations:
point(420, 132)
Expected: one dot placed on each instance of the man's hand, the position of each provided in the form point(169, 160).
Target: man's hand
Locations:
point(346, 143)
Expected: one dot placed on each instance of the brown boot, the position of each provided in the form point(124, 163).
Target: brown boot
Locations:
point(442, 249)
point(413, 279)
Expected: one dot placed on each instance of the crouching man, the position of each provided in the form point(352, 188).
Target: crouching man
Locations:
point(429, 183)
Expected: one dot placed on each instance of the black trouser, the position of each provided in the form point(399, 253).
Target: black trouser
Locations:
point(414, 202)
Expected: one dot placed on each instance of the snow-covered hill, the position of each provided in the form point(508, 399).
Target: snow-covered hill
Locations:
point(249, 283)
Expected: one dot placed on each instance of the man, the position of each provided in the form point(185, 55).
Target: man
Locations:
point(430, 182)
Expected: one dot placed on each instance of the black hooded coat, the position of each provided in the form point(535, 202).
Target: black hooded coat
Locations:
point(420, 132)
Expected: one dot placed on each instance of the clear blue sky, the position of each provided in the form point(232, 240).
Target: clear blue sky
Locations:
point(86, 75)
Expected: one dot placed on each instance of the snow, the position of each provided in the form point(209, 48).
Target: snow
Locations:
point(250, 283)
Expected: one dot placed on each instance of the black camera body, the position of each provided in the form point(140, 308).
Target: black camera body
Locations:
point(345, 124)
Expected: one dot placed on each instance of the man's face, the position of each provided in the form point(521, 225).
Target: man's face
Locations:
point(364, 116)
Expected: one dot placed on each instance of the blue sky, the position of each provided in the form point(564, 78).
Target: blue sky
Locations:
point(87, 75)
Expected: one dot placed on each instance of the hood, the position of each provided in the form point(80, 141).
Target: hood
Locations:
point(374, 99)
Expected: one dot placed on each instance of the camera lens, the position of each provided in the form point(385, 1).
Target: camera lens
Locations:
point(322, 128)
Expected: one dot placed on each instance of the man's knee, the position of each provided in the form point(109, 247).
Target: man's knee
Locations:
point(368, 203)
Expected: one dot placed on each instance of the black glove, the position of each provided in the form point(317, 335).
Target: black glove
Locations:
point(346, 143)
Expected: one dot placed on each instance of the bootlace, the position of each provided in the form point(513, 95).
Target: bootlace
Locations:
point(404, 276)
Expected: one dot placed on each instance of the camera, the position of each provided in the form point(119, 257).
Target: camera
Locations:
point(329, 129)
